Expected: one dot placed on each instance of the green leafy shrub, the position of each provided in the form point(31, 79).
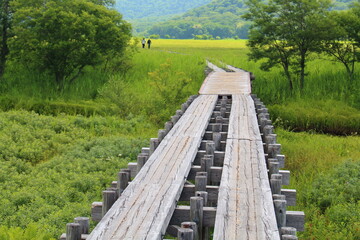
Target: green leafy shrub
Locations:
point(52, 168)
point(341, 186)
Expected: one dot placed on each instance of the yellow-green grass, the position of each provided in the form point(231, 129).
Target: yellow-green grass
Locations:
point(312, 160)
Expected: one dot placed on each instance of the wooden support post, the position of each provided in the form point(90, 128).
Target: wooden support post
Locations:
point(184, 107)
point(168, 126)
point(175, 119)
point(288, 231)
point(154, 143)
point(123, 181)
point(268, 129)
point(179, 113)
point(263, 110)
point(141, 159)
point(204, 196)
point(295, 219)
point(270, 139)
point(84, 224)
point(200, 181)
point(145, 150)
point(263, 115)
point(217, 127)
point(128, 171)
point(281, 159)
point(217, 140)
point(273, 168)
point(196, 213)
point(262, 124)
point(285, 176)
point(73, 231)
point(223, 112)
point(289, 237)
point(278, 197)
point(223, 102)
point(275, 183)
point(161, 134)
point(258, 105)
point(219, 119)
point(132, 166)
point(192, 226)
point(273, 150)
point(96, 211)
point(185, 234)
point(109, 198)
point(210, 148)
point(206, 163)
point(280, 212)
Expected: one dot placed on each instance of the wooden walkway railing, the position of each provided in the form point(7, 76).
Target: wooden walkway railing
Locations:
point(217, 156)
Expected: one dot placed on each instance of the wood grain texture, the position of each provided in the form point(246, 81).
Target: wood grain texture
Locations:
point(245, 207)
point(146, 206)
point(226, 83)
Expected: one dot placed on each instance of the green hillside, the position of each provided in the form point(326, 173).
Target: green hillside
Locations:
point(218, 19)
point(135, 9)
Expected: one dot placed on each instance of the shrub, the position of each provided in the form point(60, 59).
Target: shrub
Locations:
point(339, 187)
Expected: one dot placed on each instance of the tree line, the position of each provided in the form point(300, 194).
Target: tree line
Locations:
point(135, 9)
point(61, 38)
point(287, 33)
point(218, 19)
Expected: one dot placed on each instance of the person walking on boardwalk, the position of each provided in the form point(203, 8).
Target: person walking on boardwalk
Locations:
point(149, 42)
point(143, 41)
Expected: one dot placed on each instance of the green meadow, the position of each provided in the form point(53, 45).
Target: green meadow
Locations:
point(61, 148)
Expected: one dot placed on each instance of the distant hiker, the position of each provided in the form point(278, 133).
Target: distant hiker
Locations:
point(143, 42)
point(149, 42)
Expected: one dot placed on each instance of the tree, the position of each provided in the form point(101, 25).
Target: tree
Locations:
point(285, 32)
point(63, 37)
point(5, 25)
point(343, 40)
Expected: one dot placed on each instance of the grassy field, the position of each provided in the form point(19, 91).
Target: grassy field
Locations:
point(60, 149)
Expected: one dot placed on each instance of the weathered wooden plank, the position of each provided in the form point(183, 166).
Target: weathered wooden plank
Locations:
point(226, 83)
point(145, 207)
point(243, 122)
point(245, 208)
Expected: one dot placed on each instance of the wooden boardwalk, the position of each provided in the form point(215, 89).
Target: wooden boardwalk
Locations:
point(145, 208)
point(226, 83)
point(245, 209)
point(220, 147)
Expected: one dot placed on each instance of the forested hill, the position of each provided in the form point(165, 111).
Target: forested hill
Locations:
point(135, 9)
point(218, 19)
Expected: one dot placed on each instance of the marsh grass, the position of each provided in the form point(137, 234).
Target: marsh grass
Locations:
point(317, 164)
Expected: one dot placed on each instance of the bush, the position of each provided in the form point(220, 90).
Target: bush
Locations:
point(339, 187)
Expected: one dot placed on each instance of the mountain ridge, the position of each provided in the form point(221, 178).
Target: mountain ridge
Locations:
point(204, 19)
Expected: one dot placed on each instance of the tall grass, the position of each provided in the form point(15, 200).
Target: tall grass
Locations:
point(314, 160)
